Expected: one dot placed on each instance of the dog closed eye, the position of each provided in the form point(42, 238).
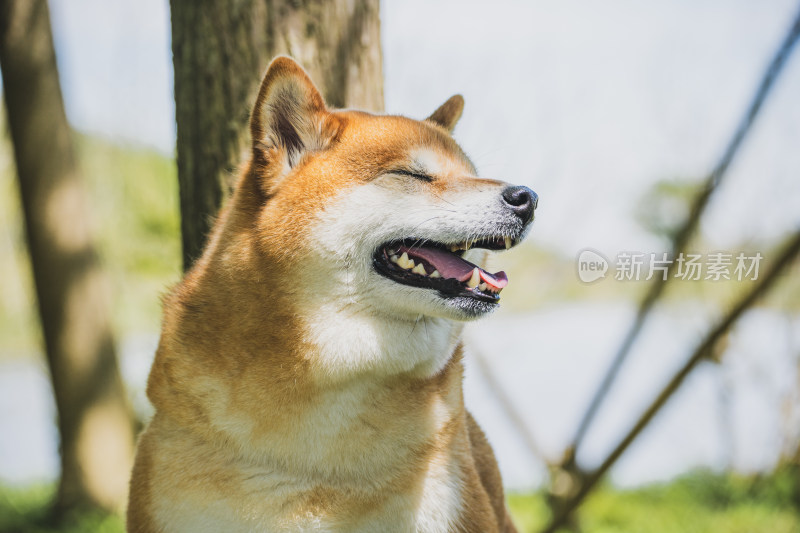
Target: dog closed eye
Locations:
point(414, 174)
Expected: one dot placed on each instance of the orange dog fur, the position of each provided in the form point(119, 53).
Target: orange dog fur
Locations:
point(299, 387)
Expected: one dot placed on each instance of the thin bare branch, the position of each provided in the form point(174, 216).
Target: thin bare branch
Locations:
point(763, 286)
point(682, 236)
point(508, 406)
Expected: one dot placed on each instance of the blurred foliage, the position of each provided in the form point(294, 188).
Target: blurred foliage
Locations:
point(134, 195)
point(699, 502)
point(665, 206)
point(133, 206)
point(541, 277)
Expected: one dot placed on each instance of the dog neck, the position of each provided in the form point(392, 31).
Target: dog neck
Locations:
point(317, 390)
point(274, 408)
point(351, 340)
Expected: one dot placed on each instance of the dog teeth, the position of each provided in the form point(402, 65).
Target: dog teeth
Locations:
point(404, 262)
point(475, 279)
point(419, 269)
point(466, 245)
point(483, 287)
point(508, 243)
point(393, 259)
point(435, 274)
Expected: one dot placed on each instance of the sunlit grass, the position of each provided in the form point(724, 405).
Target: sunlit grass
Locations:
point(28, 511)
point(698, 503)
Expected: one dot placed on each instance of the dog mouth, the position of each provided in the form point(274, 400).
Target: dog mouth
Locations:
point(442, 267)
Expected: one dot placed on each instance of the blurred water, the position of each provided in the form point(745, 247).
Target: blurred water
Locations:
point(549, 363)
point(730, 415)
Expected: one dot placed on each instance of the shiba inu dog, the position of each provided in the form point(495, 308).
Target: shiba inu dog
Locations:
point(309, 372)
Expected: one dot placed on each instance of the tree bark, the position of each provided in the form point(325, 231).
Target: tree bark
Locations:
point(220, 52)
point(94, 417)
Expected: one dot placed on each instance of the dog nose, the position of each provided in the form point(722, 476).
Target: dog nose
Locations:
point(521, 200)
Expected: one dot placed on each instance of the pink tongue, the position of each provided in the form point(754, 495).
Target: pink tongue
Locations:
point(450, 265)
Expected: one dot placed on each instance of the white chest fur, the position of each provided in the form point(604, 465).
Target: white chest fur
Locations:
point(267, 500)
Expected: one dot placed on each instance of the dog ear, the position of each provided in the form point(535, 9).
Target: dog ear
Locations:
point(448, 113)
point(289, 115)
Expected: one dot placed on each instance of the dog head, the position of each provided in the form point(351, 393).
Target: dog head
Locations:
point(381, 212)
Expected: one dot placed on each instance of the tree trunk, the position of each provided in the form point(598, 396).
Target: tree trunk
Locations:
point(220, 51)
point(94, 417)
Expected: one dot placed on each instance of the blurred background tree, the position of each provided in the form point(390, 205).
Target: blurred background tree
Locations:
point(94, 417)
point(220, 52)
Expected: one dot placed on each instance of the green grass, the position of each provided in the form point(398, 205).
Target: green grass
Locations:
point(701, 502)
point(28, 511)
